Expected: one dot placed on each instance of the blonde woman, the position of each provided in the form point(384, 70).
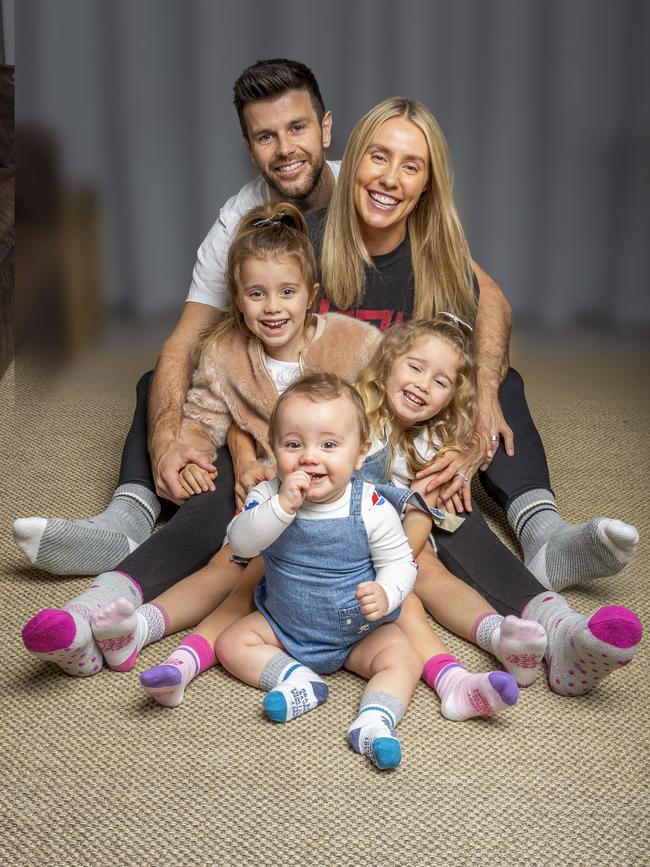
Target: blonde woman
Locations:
point(392, 248)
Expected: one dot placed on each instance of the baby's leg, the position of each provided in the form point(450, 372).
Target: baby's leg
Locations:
point(250, 650)
point(462, 693)
point(393, 669)
point(518, 644)
point(121, 631)
point(166, 682)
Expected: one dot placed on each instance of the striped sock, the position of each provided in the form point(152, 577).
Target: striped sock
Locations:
point(121, 631)
point(560, 554)
point(166, 683)
point(582, 652)
point(464, 695)
point(372, 733)
point(293, 689)
point(87, 546)
point(519, 645)
point(63, 635)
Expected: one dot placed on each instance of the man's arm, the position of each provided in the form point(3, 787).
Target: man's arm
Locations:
point(492, 344)
point(169, 385)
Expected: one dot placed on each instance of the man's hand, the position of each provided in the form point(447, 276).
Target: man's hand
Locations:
point(372, 598)
point(167, 465)
point(452, 473)
point(195, 480)
point(250, 475)
point(491, 426)
point(293, 491)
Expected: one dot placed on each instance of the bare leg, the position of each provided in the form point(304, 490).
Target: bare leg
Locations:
point(193, 598)
point(393, 669)
point(250, 650)
point(518, 644)
point(166, 683)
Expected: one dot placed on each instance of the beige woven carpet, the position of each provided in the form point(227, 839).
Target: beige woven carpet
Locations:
point(94, 774)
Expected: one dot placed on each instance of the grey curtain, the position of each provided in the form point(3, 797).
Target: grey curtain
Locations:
point(545, 104)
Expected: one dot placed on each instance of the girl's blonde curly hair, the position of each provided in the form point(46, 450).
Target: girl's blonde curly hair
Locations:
point(453, 427)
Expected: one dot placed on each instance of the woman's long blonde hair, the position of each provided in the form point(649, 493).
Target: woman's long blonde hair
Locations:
point(453, 427)
point(441, 262)
point(268, 231)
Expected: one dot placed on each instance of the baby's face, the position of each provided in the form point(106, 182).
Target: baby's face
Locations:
point(322, 439)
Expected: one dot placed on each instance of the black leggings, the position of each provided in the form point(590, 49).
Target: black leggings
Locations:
point(197, 528)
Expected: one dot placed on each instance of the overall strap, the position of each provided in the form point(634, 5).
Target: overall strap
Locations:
point(356, 495)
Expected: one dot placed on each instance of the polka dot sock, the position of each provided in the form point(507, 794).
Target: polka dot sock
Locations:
point(121, 631)
point(560, 554)
point(166, 683)
point(519, 645)
point(372, 733)
point(584, 651)
point(63, 635)
point(464, 695)
point(293, 688)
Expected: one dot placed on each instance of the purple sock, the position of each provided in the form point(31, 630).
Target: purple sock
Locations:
point(166, 683)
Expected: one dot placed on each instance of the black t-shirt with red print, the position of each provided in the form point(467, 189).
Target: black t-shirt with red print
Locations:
point(389, 285)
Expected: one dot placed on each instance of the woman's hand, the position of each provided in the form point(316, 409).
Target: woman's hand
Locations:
point(452, 474)
point(249, 476)
point(491, 426)
point(372, 599)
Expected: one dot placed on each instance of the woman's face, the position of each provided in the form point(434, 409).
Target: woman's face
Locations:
point(392, 174)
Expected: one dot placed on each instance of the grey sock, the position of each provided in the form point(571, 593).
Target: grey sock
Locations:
point(561, 554)
point(90, 545)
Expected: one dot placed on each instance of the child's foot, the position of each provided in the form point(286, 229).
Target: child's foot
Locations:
point(65, 638)
point(372, 734)
point(582, 652)
point(115, 628)
point(300, 691)
point(121, 631)
point(464, 695)
point(166, 683)
point(88, 546)
point(519, 645)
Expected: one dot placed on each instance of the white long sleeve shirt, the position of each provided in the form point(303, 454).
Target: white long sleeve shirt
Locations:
point(263, 519)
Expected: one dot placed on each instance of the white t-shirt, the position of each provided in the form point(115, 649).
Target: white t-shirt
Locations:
point(400, 476)
point(263, 519)
point(209, 275)
point(283, 373)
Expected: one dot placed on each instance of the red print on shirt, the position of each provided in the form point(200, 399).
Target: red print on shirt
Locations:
point(381, 318)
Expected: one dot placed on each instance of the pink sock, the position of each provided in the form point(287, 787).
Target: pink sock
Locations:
point(464, 695)
point(166, 683)
point(121, 631)
point(519, 645)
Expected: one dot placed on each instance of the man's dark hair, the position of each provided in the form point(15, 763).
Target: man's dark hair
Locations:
point(269, 79)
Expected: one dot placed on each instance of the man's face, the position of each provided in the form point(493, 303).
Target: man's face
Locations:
point(287, 142)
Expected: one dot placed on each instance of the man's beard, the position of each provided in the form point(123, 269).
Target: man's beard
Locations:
point(306, 188)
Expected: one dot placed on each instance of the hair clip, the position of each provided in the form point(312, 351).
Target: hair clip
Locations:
point(456, 320)
point(277, 220)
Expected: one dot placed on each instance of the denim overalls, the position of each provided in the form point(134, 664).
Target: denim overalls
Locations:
point(311, 575)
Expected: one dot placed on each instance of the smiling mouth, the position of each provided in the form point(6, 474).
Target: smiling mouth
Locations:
point(316, 477)
point(274, 324)
point(412, 399)
point(290, 168)
point(383, 200)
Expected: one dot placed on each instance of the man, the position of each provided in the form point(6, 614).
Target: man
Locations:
point(286, 130)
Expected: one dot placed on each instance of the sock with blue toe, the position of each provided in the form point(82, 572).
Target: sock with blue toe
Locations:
point(372, 733)
point(293, 689)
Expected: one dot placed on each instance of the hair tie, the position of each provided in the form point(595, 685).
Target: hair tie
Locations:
point(456, 320)
point(280, 219)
